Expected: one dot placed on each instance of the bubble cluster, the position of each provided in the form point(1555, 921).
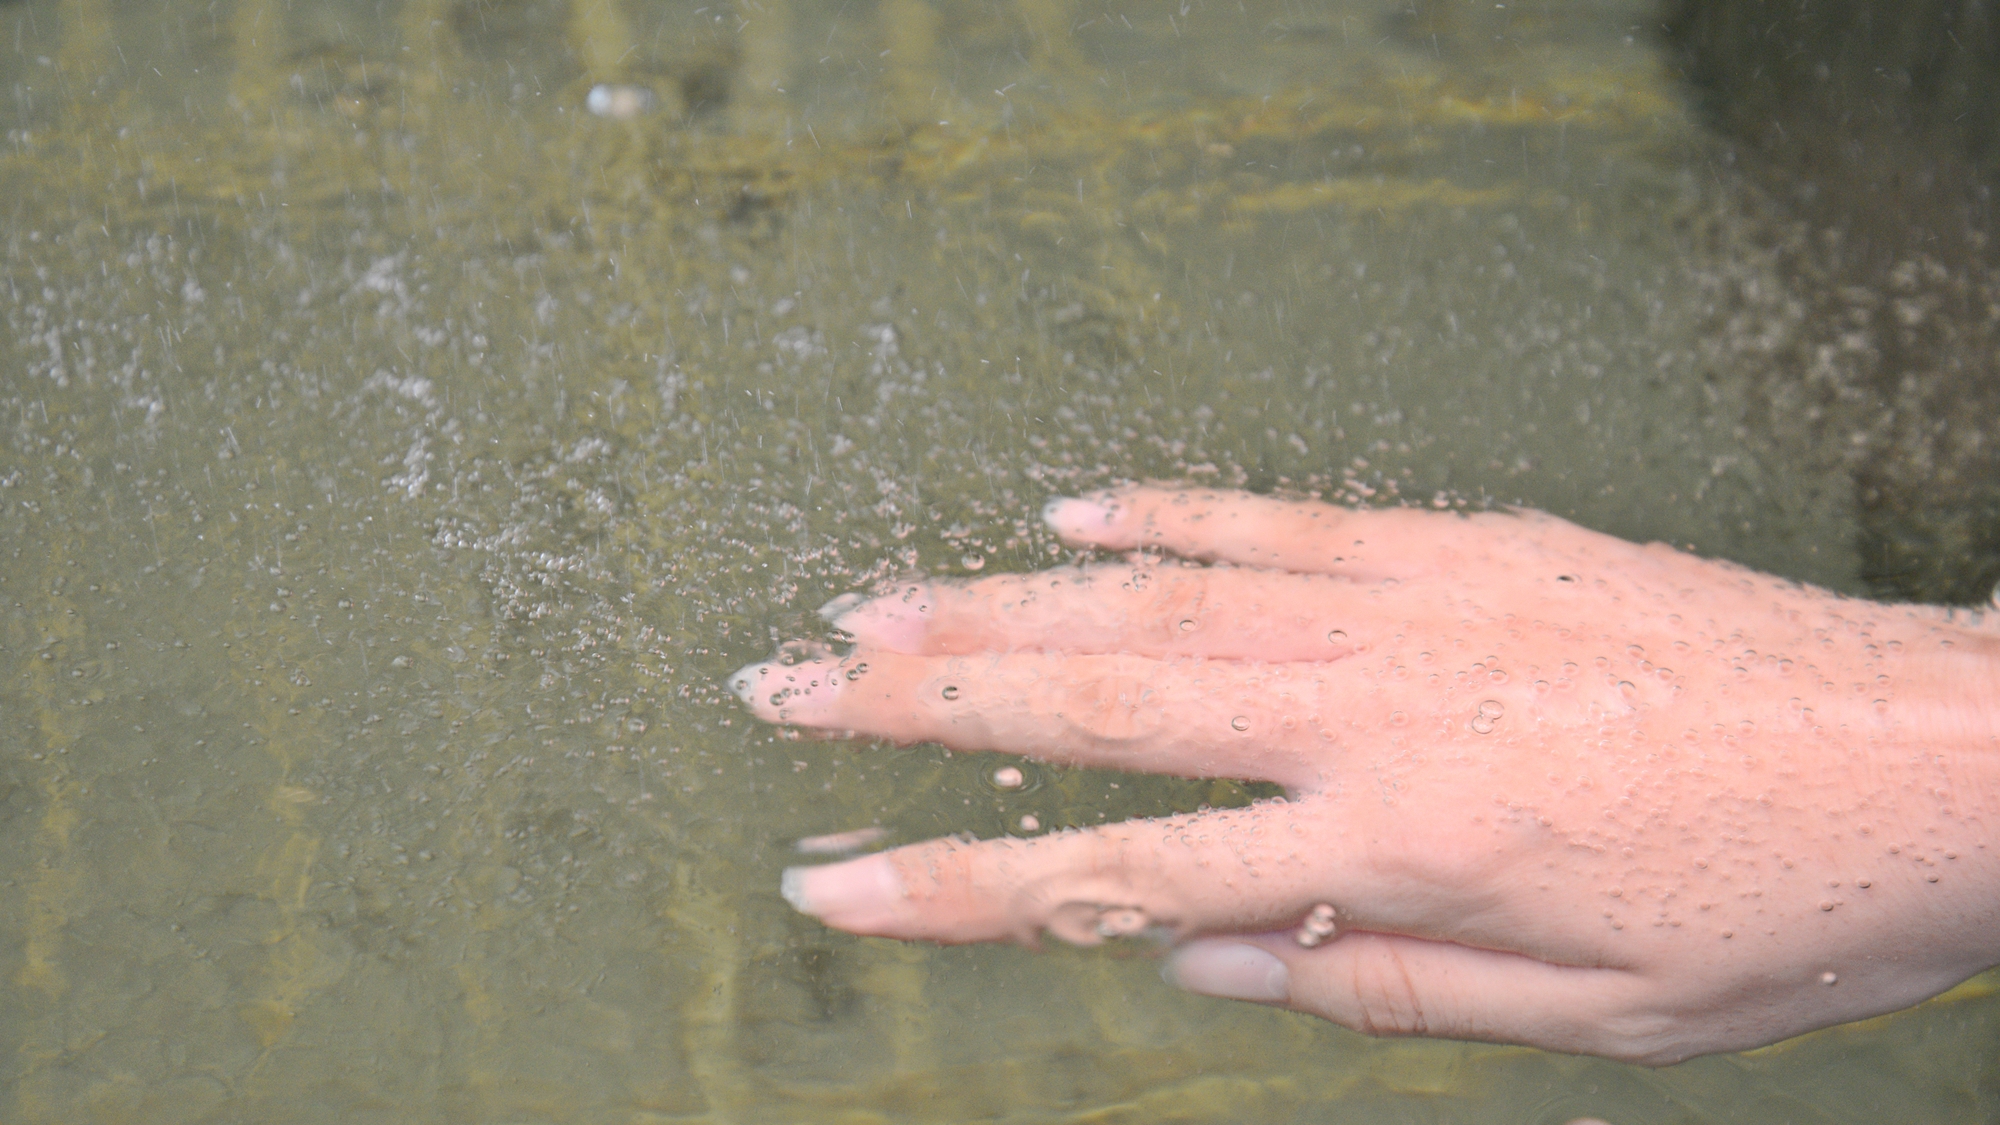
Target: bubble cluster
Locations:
point(1488, 717)
point(1319, 926)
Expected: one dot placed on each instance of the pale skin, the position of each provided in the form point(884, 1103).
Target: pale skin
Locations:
point(1545, 786)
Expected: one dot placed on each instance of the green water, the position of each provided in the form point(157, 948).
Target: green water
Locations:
point(397, 455)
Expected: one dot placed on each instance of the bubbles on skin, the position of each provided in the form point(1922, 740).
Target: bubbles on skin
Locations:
point(973, 562)
point(1319, 926)
point(1337, 637)
point(856, 672)
point(950, 692)
point(1829, 978)
point(1187, 625)
point(1240, 723)
point(1488, 717)
point(742, 686)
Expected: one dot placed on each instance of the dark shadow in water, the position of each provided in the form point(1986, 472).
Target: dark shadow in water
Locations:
point(1875, 134)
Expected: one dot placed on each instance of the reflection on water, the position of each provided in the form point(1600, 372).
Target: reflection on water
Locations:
point(397, 454)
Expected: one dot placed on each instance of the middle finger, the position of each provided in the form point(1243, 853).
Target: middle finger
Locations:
point(1157, 610)
point(1193, 718)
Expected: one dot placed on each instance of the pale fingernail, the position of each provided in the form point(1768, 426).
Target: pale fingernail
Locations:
point(1229, 969)
point(897, 622)
point(1074, 518)
point(745, 680)
point(787, 693)
point(860, 894)
point(834, 610)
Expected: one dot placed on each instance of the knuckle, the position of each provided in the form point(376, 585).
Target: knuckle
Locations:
point(1169, 605)
point(1644, 1036)
point(1386, 997)
point(1109, 706)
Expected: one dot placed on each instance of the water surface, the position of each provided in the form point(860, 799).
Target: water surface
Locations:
point(398, 455)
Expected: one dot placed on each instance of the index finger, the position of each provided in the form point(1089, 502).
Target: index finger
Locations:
point(1238, 527)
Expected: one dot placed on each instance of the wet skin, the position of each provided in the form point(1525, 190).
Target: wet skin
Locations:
point(1545, 786)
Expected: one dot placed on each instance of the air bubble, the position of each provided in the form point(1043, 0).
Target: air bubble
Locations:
point(1187, 625)
point(1240, 722)
point(1488, 717)
point(1009, 777)
point(618, 102)
point(1318, 926)
point(950, 692)
point(1829, 978)
point(1338, 636)
point(1030, 822)
point(1120, 921)
point(974, 562)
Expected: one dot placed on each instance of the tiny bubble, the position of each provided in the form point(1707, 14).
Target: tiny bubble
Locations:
point(1337, 636)
point(950, 692)
point(1829, 978)
point(1030, 822)
point(1187, 624)
point(1008, 777)
point(1240, 722)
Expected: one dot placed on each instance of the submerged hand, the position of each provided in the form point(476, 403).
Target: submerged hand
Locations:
point(1546, 786)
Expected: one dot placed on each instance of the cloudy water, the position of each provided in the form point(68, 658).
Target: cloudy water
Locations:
point(413, 411)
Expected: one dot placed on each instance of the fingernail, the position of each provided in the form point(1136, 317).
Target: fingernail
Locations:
point(1073, 518)
point(1229, 969)
point(860, 894)
point(787, 693)
point(833, 611)
point(745, 680)
point(896, 622)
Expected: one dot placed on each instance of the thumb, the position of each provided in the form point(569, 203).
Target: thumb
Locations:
point(1390, 984)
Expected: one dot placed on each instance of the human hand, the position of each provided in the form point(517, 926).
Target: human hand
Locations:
point(1545, 786)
